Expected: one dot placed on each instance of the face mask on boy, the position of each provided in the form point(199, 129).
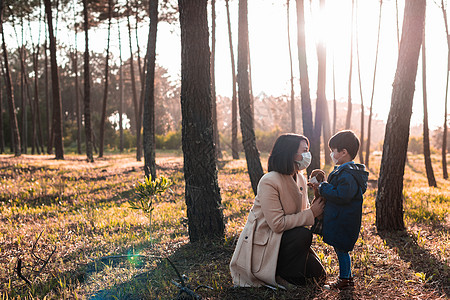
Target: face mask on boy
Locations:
point(305, 162)
point(333, 158)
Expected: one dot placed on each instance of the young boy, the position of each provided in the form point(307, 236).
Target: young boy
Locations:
point(344, 194)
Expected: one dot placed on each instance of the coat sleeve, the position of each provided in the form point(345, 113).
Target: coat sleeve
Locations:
point(274, 214)
point(341, 193)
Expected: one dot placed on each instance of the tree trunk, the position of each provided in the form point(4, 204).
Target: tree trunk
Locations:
point(120, 92)
point(234, 124)
point(142, 80)
point(245, 110)
point(213, 79)
point(292, 72)
point(349, 106)
point(444, 138)
point(250, 87)
point(334, 100)
point(202, 189)
point(2, 136)
point(77, 93)
point(32, 110)
point(389, 201)
point(149, 107)
point(57, 127)
point(361, 146)
point(308, 126)
point(303, 66)
point(369, 125)
point(9, 92)
point(134, 95)
point(396, 21)
point(23, 102)
point(47, 98)
point(87, 87)
point(320, 101)
point(326, 132)
point(105, 92)
point(36, 95)
point(426, 136)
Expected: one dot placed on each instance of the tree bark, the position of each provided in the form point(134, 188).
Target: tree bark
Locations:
point(47, 97)
point(57, 127)
point(134, 95)
point(290, 65)
point(10, 92)
point(349, 105)
point(426, 135)
point(213, 79)
point(32, 108)
point(77, 93)
point(361, 146)
point(234, 123)
point(304, 78)
point(2, 138)
point(36, 87)
point(202, 189)
point(320, 101)
point(334, 100)
point(120, 92)
point(369, 123)
point(87, 88)
point(389, 201)
point(149, 99)
point(245, 110)
point(105, 92)
point(444, 137)
point(23, 102)
point(141, 78)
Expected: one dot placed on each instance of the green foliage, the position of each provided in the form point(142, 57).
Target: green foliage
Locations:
point(169, 141)
point(147, 192)
point(266, 139)
point(415, 145)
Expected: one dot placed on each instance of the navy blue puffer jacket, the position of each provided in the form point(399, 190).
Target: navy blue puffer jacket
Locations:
point(343, 210)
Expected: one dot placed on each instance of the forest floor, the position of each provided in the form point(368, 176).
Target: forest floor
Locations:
point(71, 226)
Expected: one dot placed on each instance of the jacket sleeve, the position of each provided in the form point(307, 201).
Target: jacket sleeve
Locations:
point(341, 193)
point(274, 214)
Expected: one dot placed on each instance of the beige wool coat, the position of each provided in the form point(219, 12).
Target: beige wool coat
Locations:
point(281, 204)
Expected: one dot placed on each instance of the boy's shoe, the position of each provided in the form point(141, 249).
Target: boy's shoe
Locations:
point(341, 284)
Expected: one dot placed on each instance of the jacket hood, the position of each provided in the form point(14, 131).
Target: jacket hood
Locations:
point(358, 171)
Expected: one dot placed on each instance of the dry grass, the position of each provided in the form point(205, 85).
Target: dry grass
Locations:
point(82, 211)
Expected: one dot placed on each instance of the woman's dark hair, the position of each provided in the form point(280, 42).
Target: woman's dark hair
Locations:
point(282, 155)
point(345, 139)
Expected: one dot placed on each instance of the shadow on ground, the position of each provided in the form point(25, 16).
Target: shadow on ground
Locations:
point(206, 272)
point(421, 260)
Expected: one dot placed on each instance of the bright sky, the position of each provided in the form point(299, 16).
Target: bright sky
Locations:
point(270, 58)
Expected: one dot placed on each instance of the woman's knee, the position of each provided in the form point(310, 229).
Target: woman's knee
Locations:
point(298, 237)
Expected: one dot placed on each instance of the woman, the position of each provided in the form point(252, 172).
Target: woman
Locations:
point(274, 245)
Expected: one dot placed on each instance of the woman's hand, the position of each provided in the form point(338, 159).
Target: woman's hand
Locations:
point(317, 206)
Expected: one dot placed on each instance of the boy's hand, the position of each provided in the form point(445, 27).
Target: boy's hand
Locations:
point(315, 187)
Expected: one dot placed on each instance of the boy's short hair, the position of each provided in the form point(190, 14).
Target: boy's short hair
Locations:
point(345, 139)
point(281, 157)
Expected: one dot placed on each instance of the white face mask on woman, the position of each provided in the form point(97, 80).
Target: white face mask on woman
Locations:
point(305, 162)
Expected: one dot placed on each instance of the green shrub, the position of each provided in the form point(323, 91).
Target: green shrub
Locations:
point(266, 139)
point(169, 141)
